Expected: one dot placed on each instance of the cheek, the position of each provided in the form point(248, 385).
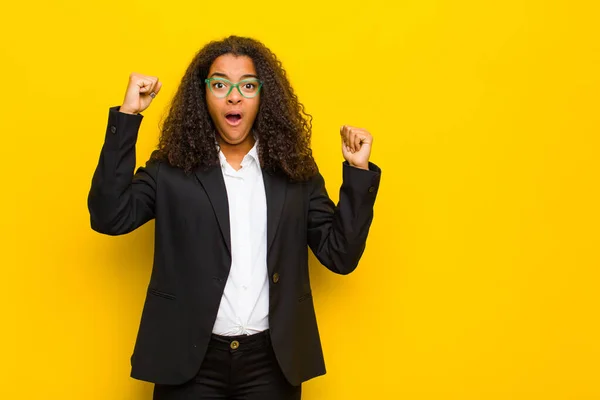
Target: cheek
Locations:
point(213, 107)
point(254, 107)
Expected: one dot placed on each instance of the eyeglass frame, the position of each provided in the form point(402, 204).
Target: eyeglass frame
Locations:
point(236, 85)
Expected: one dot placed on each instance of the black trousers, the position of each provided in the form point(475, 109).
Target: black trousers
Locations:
point(235, 368)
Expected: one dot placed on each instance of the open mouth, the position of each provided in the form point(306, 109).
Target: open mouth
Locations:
point(233, 118)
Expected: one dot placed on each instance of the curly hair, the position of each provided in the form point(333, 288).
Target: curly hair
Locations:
point(282, 127)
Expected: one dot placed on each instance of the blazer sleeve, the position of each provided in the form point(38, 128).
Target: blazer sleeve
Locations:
point(337, 235)
point(118, 200)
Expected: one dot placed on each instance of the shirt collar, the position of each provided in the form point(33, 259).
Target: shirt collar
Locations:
point(252, 154)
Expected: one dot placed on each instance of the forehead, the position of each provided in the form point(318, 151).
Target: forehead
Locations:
point(232, 66)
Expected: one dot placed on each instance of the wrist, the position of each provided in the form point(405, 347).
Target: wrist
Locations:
point(360, 166)
point(126, 110)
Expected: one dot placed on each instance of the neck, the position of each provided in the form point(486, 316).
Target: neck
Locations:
point(235, 153)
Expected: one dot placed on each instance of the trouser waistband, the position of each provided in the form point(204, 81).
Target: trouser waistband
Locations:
point(240, 342)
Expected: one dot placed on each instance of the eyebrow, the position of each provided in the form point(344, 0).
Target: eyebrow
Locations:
point(222, 75)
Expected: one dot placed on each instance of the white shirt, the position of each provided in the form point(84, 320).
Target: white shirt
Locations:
point(244, 307)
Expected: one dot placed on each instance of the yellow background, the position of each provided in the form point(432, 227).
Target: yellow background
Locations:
point(481, 275)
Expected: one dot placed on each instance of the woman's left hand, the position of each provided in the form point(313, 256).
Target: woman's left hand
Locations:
point(356, 146)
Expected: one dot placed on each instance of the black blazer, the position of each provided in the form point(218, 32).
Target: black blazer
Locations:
point(192, 255)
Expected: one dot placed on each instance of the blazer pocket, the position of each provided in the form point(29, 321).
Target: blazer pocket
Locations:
point(162, 294)
point(304, 297)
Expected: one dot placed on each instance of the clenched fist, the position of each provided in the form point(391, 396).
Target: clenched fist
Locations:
point(356, 146)
point(141, 90)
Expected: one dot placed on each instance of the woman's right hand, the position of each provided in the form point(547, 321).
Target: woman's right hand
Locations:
point(138, 95)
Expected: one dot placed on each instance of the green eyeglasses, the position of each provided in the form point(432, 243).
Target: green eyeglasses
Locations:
point(221, 87)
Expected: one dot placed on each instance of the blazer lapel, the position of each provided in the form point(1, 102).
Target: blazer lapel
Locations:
point(275, 188)
point(214, 185)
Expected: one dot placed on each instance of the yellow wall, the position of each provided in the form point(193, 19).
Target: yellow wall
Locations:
point(480, 279)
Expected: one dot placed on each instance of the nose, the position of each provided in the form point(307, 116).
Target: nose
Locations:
point(234, 97)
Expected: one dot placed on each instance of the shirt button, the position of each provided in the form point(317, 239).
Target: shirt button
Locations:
point(234, 345)
point(113, 129)
point(276, 277)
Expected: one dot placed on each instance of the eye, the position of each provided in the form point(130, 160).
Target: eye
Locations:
point(249, 85)
point(218, 85)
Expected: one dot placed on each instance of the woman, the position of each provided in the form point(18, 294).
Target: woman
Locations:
point(237, 199)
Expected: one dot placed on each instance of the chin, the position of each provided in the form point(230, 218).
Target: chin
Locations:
point(234, 139)
point(234, 142)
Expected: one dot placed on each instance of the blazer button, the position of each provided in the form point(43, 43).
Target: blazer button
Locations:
point(371, 189)
point(234, 345)
point(113, 129)
point(276, 277)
